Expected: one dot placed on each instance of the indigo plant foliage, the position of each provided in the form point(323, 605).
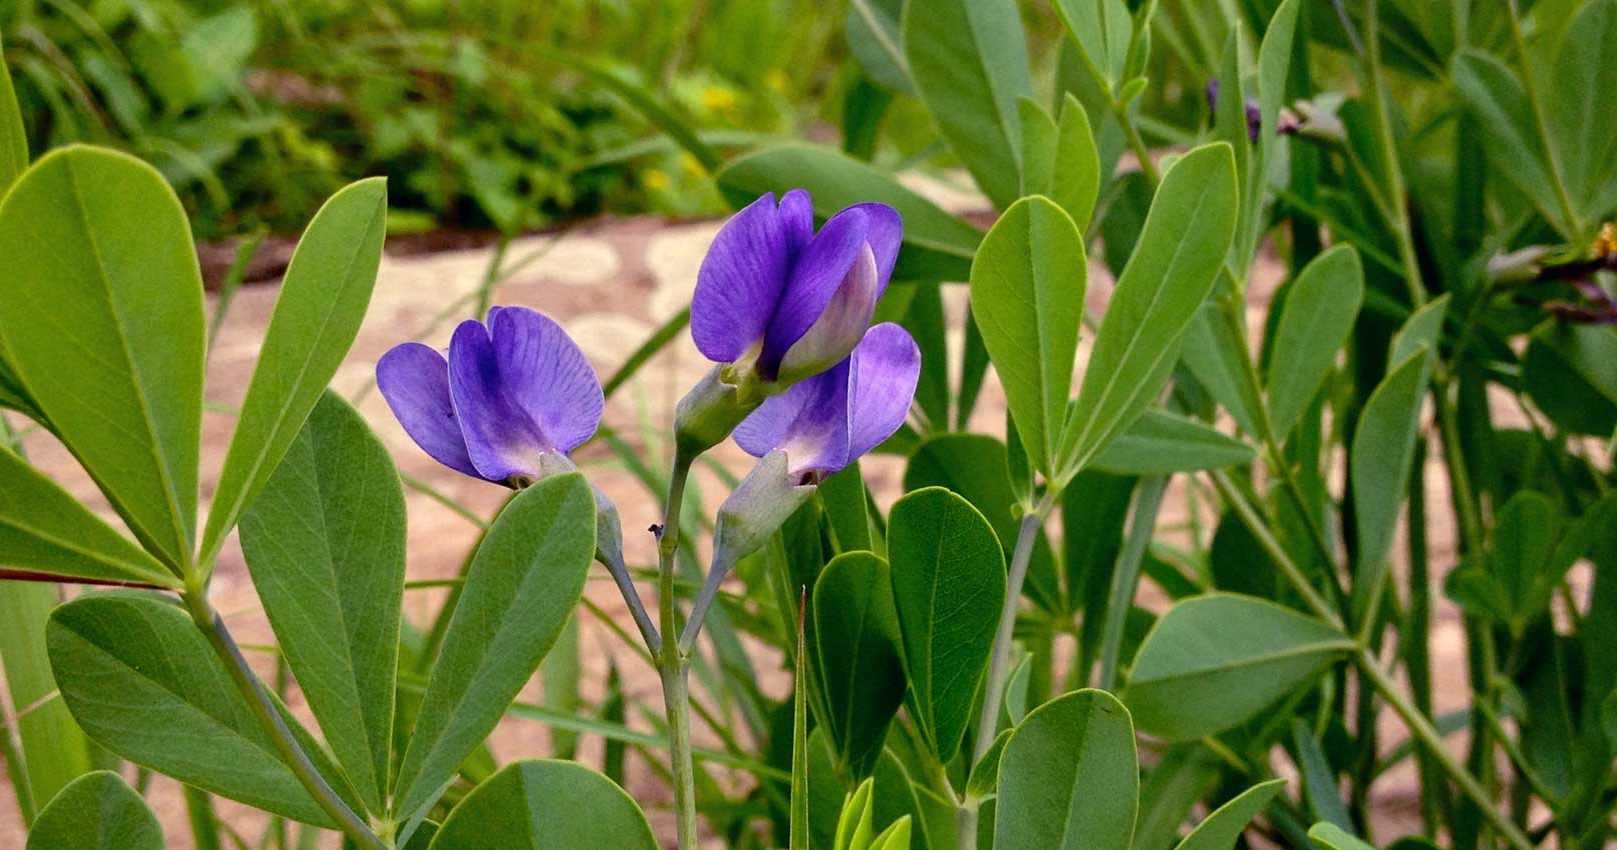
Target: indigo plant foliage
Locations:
point(1199, 567)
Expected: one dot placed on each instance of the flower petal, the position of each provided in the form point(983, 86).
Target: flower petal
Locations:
point(797, 221)
point(815, 278)
point(543, 372)
point(884, 370)
point(809, 422)
point(414, 379)
point(840, 326)
point(741, 280)
point(500, 437)
point(885, 233)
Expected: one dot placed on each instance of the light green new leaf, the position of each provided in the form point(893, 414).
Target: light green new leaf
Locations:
point(1076, 181)
point(1221, 828)
point(1027, 296)
point(98, 810)
point(1103, 30)
point(322, 302)
point(101, 318)
point(1169, 275)
point(1069, 778)
point(1321, 306)
point(1161, 443)
point(854, 824)
point(1379, 458)
point(44, 530)
point(13, 136)
point(948, 578)
point(1213, 661)
point(523, 583)
point(1583, 127)
point(546, 805)
point(144, 683)
point(1329, 836)
point(858, 657)
point(969, 62)
point(324, 543)
point(1510, 138)
point(937, 246)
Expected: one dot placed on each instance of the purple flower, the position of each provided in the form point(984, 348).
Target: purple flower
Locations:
point(826, 422)
point(785, 302)
point(510, 393)
point(1254, 112)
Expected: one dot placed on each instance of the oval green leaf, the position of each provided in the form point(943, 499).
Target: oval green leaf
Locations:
point(1027, 296)
point(546, 805)
point(1160, 443)
point(1221, 828)
point(858, 657)
point(324, 543)
point(1321, 306)
point(948, 577)
point(1379, 458)
point(143, 682)
point(523, 583)
point(1069, 778)
point(1213, 661)
point(102, 321)
point(96, 810)
point(317, 314)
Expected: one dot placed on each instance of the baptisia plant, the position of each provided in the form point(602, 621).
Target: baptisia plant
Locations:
point(802, 379)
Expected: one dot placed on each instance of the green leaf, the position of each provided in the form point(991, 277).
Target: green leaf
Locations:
point(1027, 296)
point(13, 136)
point(1510, 138)
point(1583, 129)
point(1159, 443)
point(1213, 661)
point(324, 543)
point(44, 530)
point(1039, 139)
point(1591, 352)
point(858, 657)
point(1320, 309)
point(1220, 829)
point(873, 37)
point(317, 314)
point(1183, 775)
point(1077, 178)
point(1069, 778)
point(937, 246)
point(1103, 30)
point(54, 749)
point(105, 330)
point(143, 682)
point(1424, 327)
point(98, 810)
point(1329, 836)
point(948, 579)
point(969, 62)
point(1215, 355)
point(854, 829)
point(523, 583)
point(1319, 780)
point(542, 803)
point(1379, 458)
point(798, 820)
point(1169, 275)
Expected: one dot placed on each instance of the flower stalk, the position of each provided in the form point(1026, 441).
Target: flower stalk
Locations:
point(673, 663)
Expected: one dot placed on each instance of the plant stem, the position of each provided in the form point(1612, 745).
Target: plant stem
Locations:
point(1249, 517)
point(1000, 659)
point(269, 717)
point(1126, 576)
point(674, 665)
point(1429, 738)
point(1136, 143)
point(1389, 155)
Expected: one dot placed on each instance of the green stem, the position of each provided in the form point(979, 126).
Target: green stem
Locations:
point(269, 717)
point(1427, 736)
point(1126, 576)
point(1136, 143)
point(1248, 515)
point(1541, 124)
point(1389, 152)
point(672, 664)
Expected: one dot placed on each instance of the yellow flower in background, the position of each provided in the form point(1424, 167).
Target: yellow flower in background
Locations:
point(718, 98)
point(776, 80)
point(691, 165)
point(654, 179)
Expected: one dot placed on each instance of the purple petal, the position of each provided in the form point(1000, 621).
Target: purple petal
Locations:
point(741, 280)
point(819, 271)
point(414, 379)
point(885, 369)
point(543, 372)
point(500, 437)
point(840, 327)
point(809, 422)
point(885, 233)
point(797, 220)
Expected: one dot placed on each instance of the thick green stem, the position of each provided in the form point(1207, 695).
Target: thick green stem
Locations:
point(673, 665)
point(269, 717)
point(1429, 738)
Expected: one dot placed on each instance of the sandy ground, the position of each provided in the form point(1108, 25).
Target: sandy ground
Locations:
point(611, 282)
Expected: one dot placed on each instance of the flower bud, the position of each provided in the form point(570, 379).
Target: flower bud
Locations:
point(714, 407)
point(757, 508)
